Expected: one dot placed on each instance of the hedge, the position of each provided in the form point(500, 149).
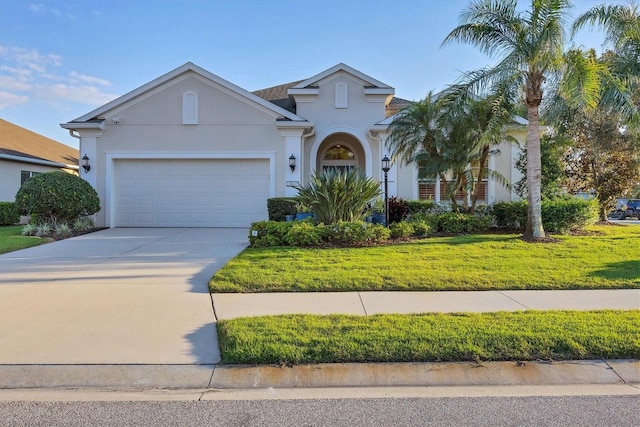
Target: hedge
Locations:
point(280, 207)
point(8, 213)
point(559, 215)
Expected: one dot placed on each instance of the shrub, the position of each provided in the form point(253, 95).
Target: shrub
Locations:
point(280, 207)
point(559, 215)
point(29, 230)
point(62, 231)
point(511, 215)
point(335, 196)
point(43, 230)
point(562, 215)
point(398, 209)
point(9, 215)
point(346, 233)
point(401, 230)
point(269, 233)
point(57, 196)
point(303, 233)
point(421, 206)
point(421, 228)
point(83, 224)
point(451, 222)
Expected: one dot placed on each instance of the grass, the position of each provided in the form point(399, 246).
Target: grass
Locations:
point(528, 335)
point(606, 259)
point(12, 240)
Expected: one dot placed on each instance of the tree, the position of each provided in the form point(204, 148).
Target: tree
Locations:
point(451, 138)
point(621, 25)
point(552, 152)
point(529, 46)
point(602, 157)
point(57, 197)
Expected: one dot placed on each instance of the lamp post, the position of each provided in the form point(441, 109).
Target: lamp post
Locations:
point(386, 165)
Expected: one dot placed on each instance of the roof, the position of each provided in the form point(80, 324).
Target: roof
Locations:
point(20, 142)
point(278, 96)
point(187, 67)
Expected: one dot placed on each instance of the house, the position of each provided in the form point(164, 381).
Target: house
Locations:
point(24, 153)
point(192, 149)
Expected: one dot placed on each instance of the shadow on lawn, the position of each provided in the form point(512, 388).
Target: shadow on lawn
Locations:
point(466, 239)
point(620, 270)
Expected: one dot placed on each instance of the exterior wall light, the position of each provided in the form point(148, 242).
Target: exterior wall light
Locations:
point(292, 162)
point(85, 163)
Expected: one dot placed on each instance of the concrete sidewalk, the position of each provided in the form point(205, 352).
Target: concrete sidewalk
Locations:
point(229, 306)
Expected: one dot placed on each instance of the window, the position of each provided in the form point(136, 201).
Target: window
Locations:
point(339, 157)
point(189, 108)
point(25, 175)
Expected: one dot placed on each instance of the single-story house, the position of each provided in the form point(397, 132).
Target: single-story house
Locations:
point(190, 149)
point(24, 153)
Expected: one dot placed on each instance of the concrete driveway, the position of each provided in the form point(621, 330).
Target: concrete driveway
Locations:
point(118, 296)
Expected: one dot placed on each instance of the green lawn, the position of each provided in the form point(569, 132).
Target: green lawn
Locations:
point(607, 258)
point(11, 239)
point(528, 335)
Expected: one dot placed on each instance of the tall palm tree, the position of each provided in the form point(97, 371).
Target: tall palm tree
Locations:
point(529, 47)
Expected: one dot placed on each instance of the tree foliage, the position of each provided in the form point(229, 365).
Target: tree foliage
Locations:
point(57, 197)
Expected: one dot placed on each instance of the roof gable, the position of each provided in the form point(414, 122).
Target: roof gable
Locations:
point(188, 67)
point(369, 81)
point(21, 142)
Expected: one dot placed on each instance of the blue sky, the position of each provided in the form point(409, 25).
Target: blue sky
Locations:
point(61, 59)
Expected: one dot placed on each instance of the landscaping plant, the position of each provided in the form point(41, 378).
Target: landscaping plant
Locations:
point(336, 195)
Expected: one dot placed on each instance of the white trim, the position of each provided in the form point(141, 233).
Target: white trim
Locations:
point(347, 69)
point(368, 154)
point(112, 156)
point(37, 161)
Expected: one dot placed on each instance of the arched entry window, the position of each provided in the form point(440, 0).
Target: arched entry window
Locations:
point(339, 157)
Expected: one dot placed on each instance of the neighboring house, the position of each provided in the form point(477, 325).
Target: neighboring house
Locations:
point(190, 149)
point(24, 153)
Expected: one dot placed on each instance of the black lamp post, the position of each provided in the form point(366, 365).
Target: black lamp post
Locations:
point(386, 165)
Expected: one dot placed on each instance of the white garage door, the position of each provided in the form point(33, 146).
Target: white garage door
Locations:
point(190, 193)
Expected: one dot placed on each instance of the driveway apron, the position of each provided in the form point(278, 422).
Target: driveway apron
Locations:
point(117, 296)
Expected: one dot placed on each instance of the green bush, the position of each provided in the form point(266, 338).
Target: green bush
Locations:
point(401, 230)
point(82, 224)
point(57, 197)
point(510, 215)
point(9, 215)
point(280, 207)
point(420, 206)
point(303, 233)
point(335, 196)
point(269, 233)
point(421, 228)
point(451, 222)
point(559, 215)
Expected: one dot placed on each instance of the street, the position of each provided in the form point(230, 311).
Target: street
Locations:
point(607, 410)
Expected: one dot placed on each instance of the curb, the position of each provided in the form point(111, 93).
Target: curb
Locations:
point(321, 375)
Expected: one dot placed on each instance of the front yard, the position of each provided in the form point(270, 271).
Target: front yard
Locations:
point(11, 239)
point(606, 258)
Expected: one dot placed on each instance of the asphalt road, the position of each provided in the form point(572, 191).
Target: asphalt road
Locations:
point(621, 410)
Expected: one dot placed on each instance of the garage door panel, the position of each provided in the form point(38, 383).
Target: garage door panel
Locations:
point(191, 193)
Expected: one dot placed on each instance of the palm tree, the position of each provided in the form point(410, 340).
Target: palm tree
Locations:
point(621, 25)
point(529, 45)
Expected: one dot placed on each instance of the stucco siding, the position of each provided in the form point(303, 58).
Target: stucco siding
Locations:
point(10, 173)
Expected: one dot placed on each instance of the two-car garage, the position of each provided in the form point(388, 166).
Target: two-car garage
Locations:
point(190, 192)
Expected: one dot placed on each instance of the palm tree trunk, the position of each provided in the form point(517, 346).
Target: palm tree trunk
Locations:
point(476, 193)
point(534, 228)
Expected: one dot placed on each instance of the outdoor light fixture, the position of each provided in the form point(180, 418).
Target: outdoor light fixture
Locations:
point(85, 163)
point(292, 162)
point(386, 165)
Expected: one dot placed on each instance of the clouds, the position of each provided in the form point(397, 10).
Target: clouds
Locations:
point(26, 75)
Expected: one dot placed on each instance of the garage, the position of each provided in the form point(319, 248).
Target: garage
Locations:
point(190, 192)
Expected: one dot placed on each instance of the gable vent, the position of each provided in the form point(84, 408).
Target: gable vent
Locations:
point(342, 95)
point(189, 108)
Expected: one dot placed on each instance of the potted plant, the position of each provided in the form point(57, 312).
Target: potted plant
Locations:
point(378, 212)
point(303, 211)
